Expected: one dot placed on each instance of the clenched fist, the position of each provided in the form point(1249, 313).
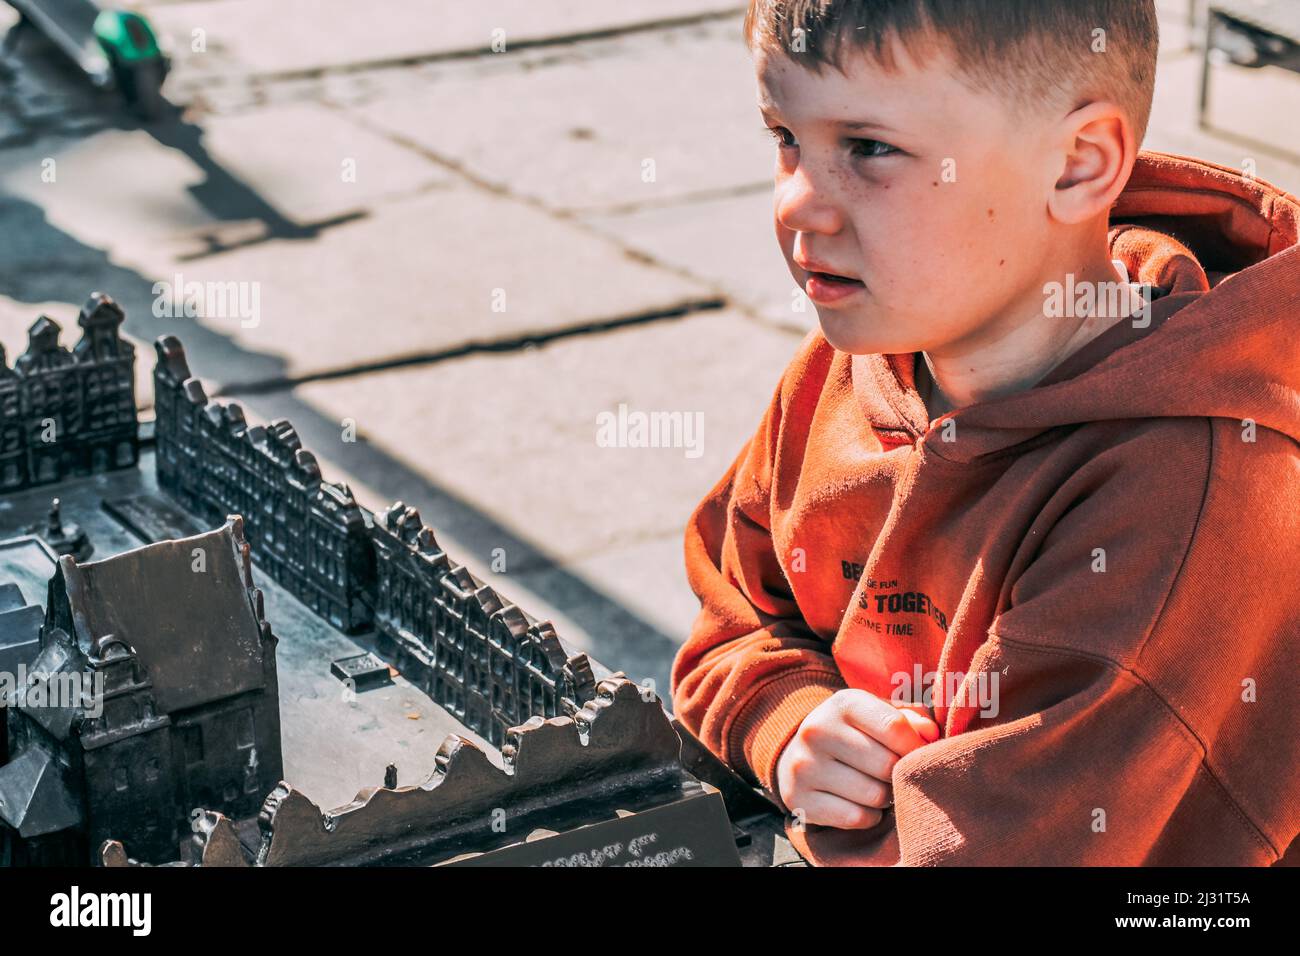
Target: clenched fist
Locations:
point(838, 766)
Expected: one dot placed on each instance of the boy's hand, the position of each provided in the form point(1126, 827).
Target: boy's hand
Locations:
point(839, 765)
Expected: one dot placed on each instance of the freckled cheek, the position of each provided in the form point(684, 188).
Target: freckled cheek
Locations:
point(1002, 232)
point(892, 232)
point(965, 235)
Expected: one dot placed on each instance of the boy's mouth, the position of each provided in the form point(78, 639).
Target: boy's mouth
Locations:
point(829, 288)
point(832, 277)
point(810, 266)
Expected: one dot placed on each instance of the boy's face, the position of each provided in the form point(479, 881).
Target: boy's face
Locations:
point(931, 196)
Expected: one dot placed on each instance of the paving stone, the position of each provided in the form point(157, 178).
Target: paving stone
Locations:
point(728, 242)
point(150, 196)
point(441, 271)
point(408, 278)
point(610, 110)
point(251, 36)
point(311, 162)
point(289, 159)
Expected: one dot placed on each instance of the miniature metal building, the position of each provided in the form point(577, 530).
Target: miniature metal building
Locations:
point(489, 663)
point(179, 702)
point(485, 660)
point(69, 413)
point(307, 533)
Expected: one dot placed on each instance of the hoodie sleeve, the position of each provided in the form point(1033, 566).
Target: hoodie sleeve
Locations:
point(1146, 715)
point(1087, 766)
point(752, 669)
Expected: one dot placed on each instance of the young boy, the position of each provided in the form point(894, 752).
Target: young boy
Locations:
point(1010, 571)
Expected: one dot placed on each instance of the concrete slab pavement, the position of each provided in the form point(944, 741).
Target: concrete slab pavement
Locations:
point(441, 271)
point(728, 242)
point(243, 37)
point(176, 189)
point(445, 266)
point(640, 120)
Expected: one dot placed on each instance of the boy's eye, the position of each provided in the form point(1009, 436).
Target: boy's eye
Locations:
point(783, 136)
point(871, 148)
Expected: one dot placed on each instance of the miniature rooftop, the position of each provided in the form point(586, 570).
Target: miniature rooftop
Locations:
point(180, 620)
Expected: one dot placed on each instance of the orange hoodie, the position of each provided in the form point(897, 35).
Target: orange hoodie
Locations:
point(1104, 569)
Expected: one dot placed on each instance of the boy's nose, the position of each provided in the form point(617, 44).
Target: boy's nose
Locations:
point(802, 207)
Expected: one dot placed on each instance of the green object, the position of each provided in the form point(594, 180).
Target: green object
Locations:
point(126, 37)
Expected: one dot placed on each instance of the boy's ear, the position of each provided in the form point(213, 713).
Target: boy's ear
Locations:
point(1098, 152)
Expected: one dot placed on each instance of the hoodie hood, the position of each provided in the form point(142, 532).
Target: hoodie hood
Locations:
point(1224, 249)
